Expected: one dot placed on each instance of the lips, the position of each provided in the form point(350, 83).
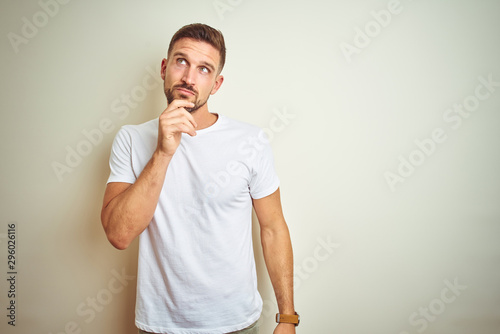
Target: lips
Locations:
point(185, 91)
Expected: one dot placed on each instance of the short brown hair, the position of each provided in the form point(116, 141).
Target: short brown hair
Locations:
point(204, 33)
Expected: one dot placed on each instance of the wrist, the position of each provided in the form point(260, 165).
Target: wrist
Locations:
point(286, 310)
point(288, 318)
point(284, 324)
point(162, 155)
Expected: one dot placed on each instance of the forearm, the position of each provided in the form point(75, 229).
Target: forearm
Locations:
point(129, 213)
point(278, 254)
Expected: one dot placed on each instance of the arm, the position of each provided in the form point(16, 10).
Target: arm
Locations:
point(278, 254)
point(128, 208)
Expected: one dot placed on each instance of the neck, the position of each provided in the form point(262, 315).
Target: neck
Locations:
point(204, 118)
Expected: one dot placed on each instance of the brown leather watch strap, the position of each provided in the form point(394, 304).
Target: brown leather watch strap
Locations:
point(288, 318)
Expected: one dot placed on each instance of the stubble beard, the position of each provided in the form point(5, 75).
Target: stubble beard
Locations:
point(169, 93)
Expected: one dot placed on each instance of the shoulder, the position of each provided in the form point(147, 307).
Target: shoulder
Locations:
point(131, 135)
point(141, 129)
point(229, 123)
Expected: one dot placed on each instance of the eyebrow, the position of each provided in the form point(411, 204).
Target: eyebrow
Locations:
point(204, 63)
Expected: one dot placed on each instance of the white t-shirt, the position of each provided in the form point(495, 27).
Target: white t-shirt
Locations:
point(196, 269)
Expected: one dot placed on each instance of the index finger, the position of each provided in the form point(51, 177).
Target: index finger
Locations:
point(181, 104)
point(189, 116)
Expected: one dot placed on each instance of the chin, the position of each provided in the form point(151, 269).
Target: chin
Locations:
point(187, 98)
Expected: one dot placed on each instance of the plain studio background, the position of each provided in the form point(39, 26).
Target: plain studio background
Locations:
point(384, 121)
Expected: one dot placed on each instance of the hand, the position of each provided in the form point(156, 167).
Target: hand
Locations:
point(174, 121)
point(284, 328)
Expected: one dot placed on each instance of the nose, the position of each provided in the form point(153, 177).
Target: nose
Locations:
point(189, 76)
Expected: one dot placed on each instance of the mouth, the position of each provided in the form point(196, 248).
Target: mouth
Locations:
point(185, 91)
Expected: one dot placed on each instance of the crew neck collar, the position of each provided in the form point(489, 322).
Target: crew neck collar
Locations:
point(212, 127)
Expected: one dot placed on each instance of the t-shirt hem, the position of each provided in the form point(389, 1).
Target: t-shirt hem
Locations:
point(222, 330)
point(120, 179)
point(267, 191)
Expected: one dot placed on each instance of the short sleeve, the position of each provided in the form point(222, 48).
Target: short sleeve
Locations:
point(120, 160)
point(264, 179)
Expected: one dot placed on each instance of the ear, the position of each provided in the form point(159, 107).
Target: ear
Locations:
point(218, 83)
point(163, 68)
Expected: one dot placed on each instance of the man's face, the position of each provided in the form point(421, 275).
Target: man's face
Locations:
point(191, 72)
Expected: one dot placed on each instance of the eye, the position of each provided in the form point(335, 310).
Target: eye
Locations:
point(204, 70)
point(181, 61)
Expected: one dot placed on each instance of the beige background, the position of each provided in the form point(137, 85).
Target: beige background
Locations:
point(369, 259)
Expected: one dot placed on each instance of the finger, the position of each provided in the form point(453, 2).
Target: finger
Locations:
point(187, 129)
point(182, 113)
point(177, 104)
point(183, 128)
point(179, 124)
point(190, 117)
point(180, 104)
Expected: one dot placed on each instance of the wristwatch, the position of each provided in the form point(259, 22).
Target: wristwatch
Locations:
point(288, 318)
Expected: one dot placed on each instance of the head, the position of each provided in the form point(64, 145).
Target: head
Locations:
point(195, 58)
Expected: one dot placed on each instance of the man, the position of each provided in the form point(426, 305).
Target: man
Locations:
point(186, 183)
